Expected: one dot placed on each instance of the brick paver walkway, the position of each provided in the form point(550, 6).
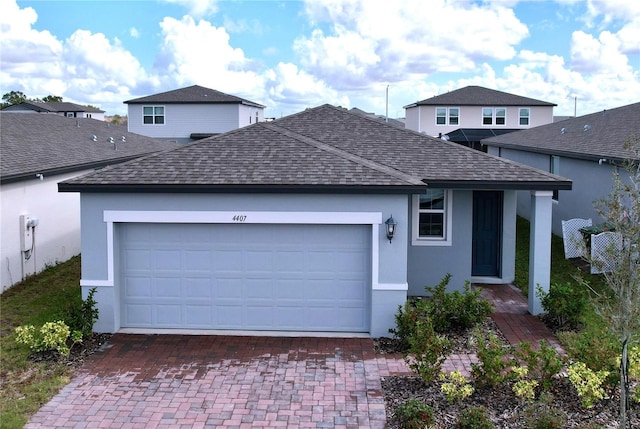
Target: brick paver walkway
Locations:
point(169, 381)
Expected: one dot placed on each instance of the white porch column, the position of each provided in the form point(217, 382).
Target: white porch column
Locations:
point(539, 247)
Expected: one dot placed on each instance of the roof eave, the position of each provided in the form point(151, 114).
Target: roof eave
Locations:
point(239, 188)
point(529, 185)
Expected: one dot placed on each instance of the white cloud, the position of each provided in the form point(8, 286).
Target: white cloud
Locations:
point(198, 8)
point(134, 32)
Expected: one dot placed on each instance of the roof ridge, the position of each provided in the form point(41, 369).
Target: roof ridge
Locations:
point(344, 154)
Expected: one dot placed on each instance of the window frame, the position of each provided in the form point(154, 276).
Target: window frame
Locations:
point(447, 211)
point(444, 114)
point(154, 115)
point(494, 118)
point(521, 117)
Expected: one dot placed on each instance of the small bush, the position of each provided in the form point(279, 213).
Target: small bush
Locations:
point(542, 364)
point(564, 305)
point(492, 367)
point(52, 336)
point(455, 386)
point(81, 314)
point(414, 414)
point(427, 351)
point(542, 415)
point(588, 383)
point(455, 310)
point(474, 418)
point(596, 347)
point(524, 388)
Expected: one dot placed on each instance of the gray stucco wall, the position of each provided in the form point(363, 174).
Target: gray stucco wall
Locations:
point(591, 181)
point(392, 270)
point(427, 265)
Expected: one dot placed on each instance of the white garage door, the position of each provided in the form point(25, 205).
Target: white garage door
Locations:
point(245, 276)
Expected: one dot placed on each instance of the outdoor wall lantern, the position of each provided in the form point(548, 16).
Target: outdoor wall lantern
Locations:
point(391, 227)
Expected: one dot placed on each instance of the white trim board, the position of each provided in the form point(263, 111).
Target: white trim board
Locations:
point(229, 217)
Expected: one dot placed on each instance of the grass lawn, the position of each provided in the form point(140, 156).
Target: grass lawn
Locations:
point(562, 270)
point(26, 385)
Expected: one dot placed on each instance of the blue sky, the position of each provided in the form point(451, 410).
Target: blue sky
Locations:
point(289, 55)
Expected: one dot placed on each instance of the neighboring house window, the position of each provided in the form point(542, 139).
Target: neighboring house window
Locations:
point(494, 116)
point(69, 114)
point(447, 116)
point(524, 116)
point(153, 115)
point(554, 168)
point(432, 218)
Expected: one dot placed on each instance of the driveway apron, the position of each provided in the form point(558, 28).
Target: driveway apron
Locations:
point(141, 381)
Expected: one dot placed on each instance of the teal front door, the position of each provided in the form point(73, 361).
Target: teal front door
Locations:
point(487, 238)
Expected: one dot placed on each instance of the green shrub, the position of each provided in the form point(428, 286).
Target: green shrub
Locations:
point(427, 351)
point(455, 386)
point(564, 305)
point(588, 383)
point(524, 388)
point(596, 347)
point(407, 318)
point(542, 364)
point(455, 310)
point(52, 336)
point(542, 415)
point(474, 418)
point(414, 414)
point(492, 367)
point(81, 314)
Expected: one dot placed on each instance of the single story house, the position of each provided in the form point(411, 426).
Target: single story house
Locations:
point(188, 114)
point(38, 225)
point(469, 114)
point(321, 221)
point(62, 108)
point(585, 149)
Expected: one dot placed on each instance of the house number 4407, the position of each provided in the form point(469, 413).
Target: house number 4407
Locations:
point(239, 218)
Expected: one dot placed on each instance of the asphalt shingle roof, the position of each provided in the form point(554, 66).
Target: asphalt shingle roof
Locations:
point(53, 107)
point(50, 144)
point(193, 95)
point(597, 135)
point(324, 148)
point(479, 96)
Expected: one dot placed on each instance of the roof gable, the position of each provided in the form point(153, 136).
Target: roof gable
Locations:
point(51, 144)
point(597, 135)
point(193, 95)
point(320, 149)
point(479, 96)
point(52, 107)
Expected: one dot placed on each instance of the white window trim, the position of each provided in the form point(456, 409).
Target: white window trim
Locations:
point(447, 116)
point(494, 117)
point(448, 214)
point(153, 106)
point(528, 116)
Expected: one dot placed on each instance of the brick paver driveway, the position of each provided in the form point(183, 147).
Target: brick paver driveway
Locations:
point(173, 381)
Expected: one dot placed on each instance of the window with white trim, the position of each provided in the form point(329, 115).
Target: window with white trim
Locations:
point(524, 116)
point(432, 218)
point(494, 116)
point(153, 115)
point(447, 115)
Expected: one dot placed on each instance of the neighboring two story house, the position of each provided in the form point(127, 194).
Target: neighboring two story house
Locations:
point(469, 114)
point(585, 149)
point(189, 114)
point(62, 108)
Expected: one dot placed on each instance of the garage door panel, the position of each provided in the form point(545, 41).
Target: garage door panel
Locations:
point(258, 277)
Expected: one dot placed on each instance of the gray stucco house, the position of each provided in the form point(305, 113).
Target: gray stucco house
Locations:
point(585, 149)
point(282, 226)
point(187, 114)
point(467, 115)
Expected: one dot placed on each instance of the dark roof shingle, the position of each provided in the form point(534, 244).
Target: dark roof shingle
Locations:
point(597, 135)
point(49, 144)
point(324, 148)
point(193, 95)
point(479, 96)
